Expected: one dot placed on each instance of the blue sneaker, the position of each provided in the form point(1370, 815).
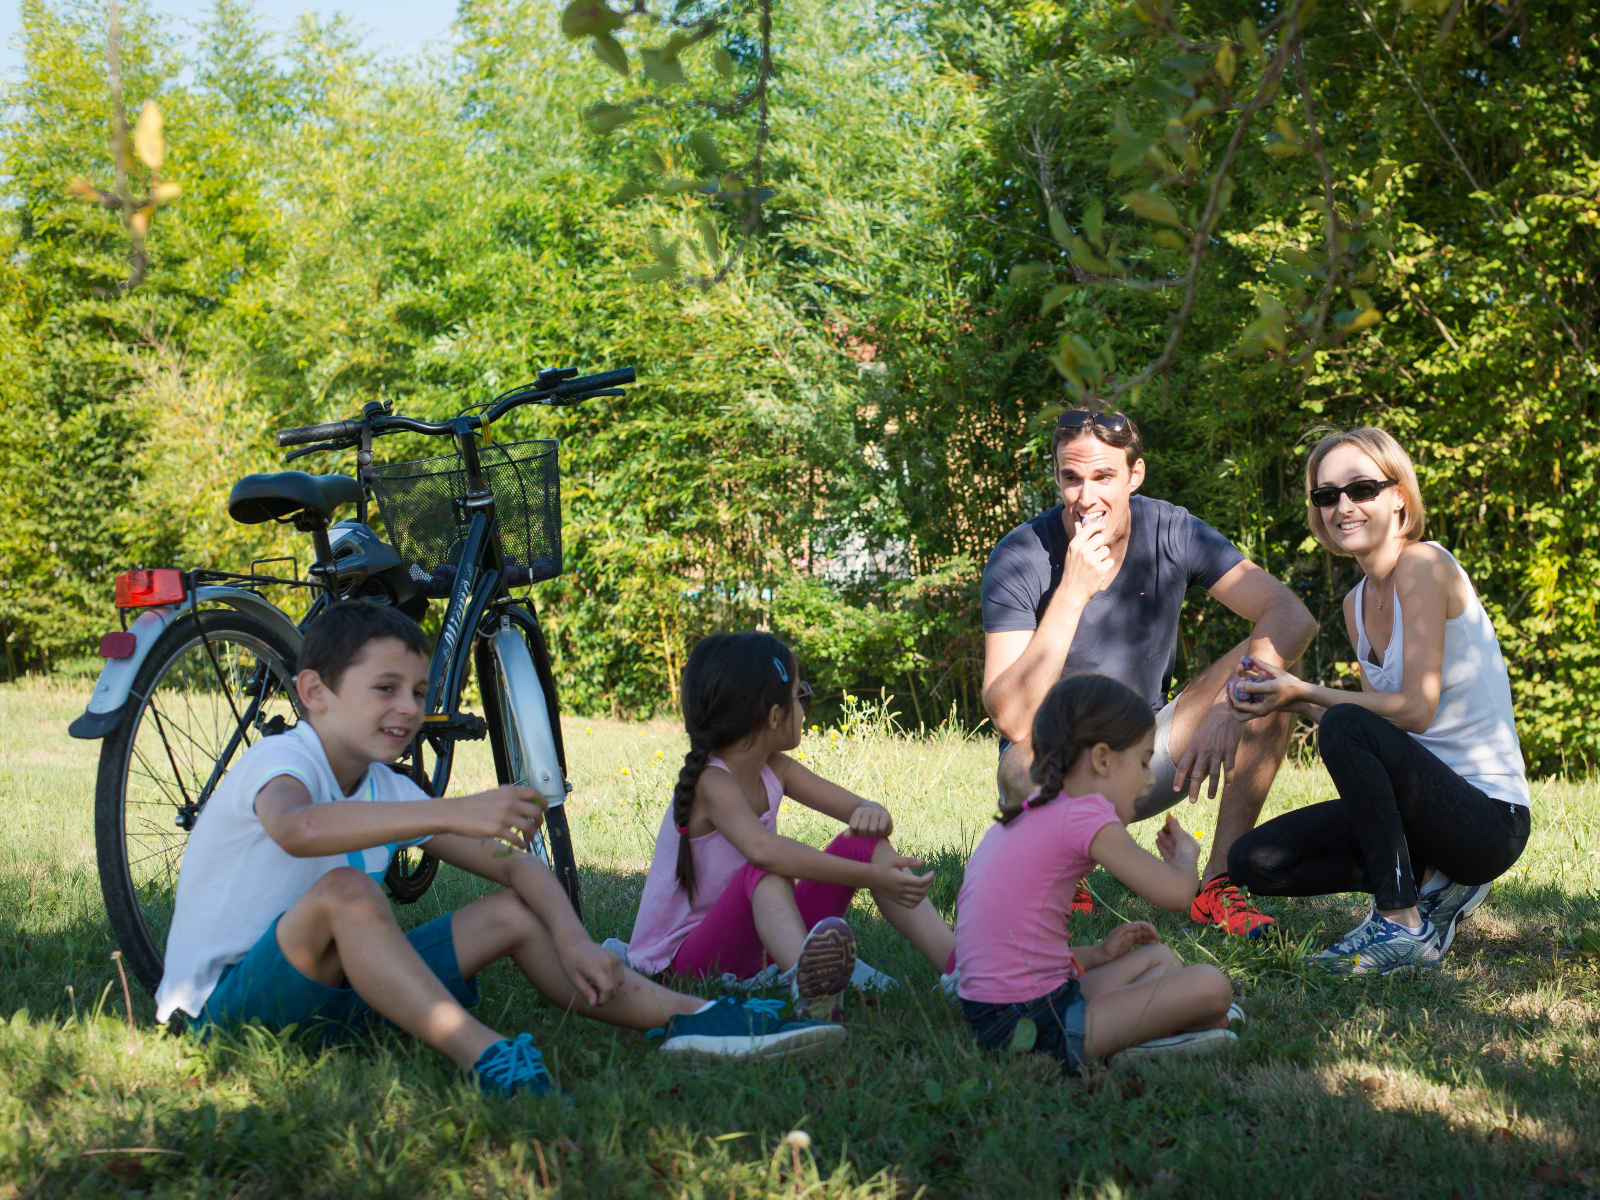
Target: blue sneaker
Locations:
point(508, 1067)
point(1386, 946)
point(1447, 907)
point(753, 1029)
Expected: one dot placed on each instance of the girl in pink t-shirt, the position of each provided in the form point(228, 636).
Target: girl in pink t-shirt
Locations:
point(1092, 740)
point(726, 892)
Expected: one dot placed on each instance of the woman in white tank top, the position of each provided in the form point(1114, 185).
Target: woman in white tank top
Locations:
point(1433, 799)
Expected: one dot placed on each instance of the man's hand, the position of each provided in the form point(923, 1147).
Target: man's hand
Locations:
point(871, 820)
point(508, 813)
point(1089, 567)
point(1210, 753)
point(897, 883)
point(1125, 937)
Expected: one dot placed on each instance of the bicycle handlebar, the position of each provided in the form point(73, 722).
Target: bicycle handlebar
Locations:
point(332, 430)
point(555, 387)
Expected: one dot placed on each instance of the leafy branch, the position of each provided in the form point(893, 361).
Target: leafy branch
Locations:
point(740, 187)
point(149, 144)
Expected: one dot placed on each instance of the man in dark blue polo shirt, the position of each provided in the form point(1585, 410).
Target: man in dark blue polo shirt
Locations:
point(1096, 584)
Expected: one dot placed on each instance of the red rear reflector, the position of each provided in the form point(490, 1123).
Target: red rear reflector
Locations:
point(120, 644)
point(146, 586)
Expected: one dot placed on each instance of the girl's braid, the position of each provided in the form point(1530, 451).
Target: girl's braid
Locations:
point(694, 762)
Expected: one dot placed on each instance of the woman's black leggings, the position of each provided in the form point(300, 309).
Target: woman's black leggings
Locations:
point(1400, 811)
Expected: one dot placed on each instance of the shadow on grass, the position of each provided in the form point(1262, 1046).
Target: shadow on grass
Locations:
point(1358, 1076)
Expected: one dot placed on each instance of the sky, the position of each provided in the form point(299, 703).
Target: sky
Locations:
point(393, 27)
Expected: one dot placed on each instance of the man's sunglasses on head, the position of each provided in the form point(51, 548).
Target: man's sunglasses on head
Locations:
point(1113, 427)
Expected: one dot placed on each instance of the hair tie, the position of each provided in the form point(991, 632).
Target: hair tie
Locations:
point(683, 829)
point(1032, 796)
point(782, 674)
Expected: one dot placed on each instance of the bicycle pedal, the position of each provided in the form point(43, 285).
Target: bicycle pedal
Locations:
point(457, 727)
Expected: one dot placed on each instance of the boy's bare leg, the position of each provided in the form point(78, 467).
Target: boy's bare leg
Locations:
point(343, 929)
point(921, 925)
point(1148, 993)
point(500, 925)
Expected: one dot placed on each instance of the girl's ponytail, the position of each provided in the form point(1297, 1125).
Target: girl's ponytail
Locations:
point(1048, 770)
point(694, 763)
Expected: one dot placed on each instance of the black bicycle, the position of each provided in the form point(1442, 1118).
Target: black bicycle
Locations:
point(205, 667)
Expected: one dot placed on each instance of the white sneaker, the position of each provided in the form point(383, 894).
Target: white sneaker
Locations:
point(870, 979)
point(1200, 1041)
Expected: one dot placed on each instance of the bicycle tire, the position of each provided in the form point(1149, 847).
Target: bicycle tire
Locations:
point(556, 837)
point(158, 766)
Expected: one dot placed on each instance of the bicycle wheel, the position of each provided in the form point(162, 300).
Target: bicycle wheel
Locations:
point(511, 754)
point(214, 682)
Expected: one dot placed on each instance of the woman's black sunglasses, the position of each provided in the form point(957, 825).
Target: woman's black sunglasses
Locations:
point(802, 692)
point(1359, 490)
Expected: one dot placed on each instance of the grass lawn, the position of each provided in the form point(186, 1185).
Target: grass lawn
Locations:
point(1479, 1078)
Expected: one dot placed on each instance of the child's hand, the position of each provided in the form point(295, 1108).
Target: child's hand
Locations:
point(594, 970)
point(508, 813)
point(1176, 845)
point(1125, 937)
point(871, 820)
point(901, 885)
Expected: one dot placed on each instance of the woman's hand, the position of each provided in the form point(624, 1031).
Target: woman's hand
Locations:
point(1259, 688)
point(871, 820)
point(1125, 937)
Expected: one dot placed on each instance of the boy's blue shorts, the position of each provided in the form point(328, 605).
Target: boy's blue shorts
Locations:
point(265, 988)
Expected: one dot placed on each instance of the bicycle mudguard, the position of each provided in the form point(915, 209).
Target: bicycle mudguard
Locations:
point(529, 715)
point(111, 690)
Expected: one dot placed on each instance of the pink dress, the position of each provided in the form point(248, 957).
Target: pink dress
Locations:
point(1016, 895)
point(716, 932)
point(666, 914)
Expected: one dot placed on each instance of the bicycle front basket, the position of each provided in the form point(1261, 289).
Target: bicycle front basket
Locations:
point(422, 503)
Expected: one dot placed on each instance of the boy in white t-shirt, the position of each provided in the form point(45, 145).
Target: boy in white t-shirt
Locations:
point(281, 920)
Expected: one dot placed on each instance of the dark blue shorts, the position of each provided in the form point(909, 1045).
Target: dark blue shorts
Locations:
point(265, 988)
point(1058, 1017)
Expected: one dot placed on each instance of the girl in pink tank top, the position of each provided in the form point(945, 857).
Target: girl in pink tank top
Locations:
point(728, 893)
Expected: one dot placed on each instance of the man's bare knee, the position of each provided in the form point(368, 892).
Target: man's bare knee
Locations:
point(1012, 777)
point(1155, 802)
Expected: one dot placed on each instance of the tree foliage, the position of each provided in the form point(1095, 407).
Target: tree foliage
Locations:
point(860, 254)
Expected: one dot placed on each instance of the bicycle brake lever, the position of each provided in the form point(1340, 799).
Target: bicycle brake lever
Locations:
point(318, 448)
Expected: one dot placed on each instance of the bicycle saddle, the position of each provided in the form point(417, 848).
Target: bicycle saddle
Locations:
point(257, 498)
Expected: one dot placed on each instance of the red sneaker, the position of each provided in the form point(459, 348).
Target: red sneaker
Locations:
point(1220, 903)
point(1082, 901)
